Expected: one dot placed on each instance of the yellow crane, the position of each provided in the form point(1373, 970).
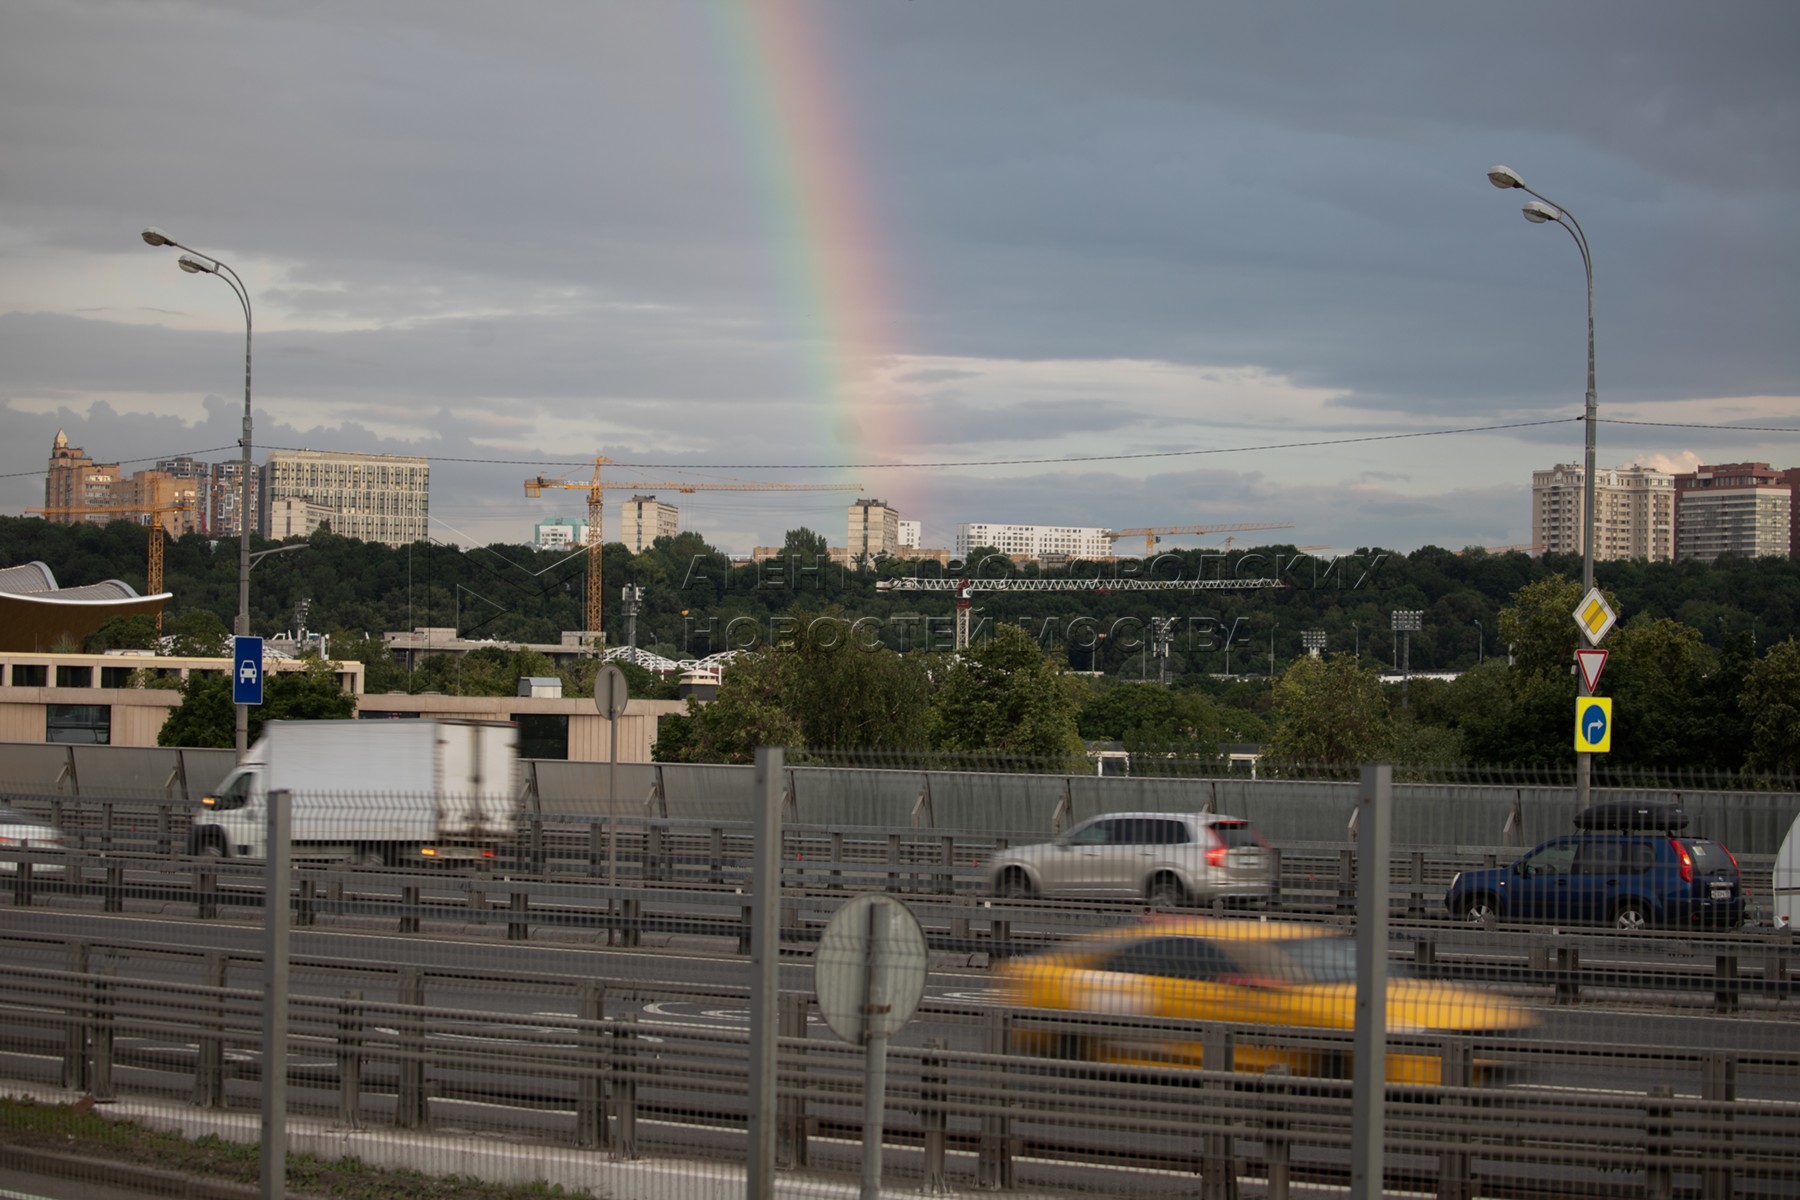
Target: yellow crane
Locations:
point(1152, 534)
point(595, 488)
point(153, 575)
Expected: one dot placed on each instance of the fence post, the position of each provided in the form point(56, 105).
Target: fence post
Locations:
point(1457, 1070)
point(791, 1151)
point(1276, 1143)
point(625, 1085)
point(411, 1110)
point(717, 846)
point(21, 881)
point(100, 1086)
point(590, 1110)
point(1568, 974)
point(113, 895)
point(209, 1054)
point(1218, 1168)
point(1659, 1129)
point(349, 1060)
point(837, 858)
point(994, 1162)
point(206, 892)
point(932, 1116)
point(1415, 896)
point(75, 1028)
point(1274, 853)
point(1718, 1083)
point(303, 909)
point(409, 908)
point(519, 928)
point(1725, 988)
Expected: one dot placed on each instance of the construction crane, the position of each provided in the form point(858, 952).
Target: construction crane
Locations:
point(966, 588)
point(1152, 534)
point(595, 488)
point(153, 575)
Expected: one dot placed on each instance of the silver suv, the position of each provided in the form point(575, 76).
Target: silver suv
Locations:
point(1166, 858)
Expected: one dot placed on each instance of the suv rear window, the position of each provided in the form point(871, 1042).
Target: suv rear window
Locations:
point(1236, 835)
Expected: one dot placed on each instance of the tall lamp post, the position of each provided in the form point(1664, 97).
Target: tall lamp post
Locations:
point(1480, 643)
point(1540, 211)
point(196, 263)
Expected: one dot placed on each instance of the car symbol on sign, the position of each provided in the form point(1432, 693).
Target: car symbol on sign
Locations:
point(247, 672)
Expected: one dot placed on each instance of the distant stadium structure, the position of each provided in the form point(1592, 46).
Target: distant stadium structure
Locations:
point(36, 615)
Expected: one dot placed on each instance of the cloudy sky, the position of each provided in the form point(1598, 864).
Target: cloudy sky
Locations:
point(1120, 264)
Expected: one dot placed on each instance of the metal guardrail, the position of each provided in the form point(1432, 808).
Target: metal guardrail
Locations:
point(607, 1077)
point(1730, 966)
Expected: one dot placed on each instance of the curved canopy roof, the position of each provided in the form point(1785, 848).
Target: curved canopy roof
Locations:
point(37, 615)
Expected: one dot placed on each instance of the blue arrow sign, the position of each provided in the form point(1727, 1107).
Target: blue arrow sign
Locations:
point(246, 670)
point(1593, 724)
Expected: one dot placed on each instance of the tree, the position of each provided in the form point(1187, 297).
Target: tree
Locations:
point(1148, 715)
point(136, 632)
point(1331, 712)
point(1004, 695)
point(1657, 677)
point(198, 633)
point(1771, 697)
point(749, 711)
point(207, 717)
point(1539, 625)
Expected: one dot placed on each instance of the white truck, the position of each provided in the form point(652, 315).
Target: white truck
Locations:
point(375, 793)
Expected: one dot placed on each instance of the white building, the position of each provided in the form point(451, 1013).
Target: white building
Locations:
point(911, 535)
point(1634, 511)
point(645, 519)
point(1051, 542)
point(559, 533)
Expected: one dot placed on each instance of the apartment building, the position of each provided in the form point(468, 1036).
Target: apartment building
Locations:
point(76, 488)
point(874, 530)
point(1744, 508)
point(645, 518)
point(1047, 542)
point(1634, 512)
point(372, 497)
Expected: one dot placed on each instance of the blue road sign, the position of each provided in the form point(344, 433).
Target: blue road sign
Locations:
point(246, 670)
point(1593, 724)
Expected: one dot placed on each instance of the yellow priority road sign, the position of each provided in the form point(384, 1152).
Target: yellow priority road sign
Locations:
point(1593, 724)
point(1595, 616)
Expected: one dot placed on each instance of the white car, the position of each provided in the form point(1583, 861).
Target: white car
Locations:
point(20, 834)
point(1168, 859)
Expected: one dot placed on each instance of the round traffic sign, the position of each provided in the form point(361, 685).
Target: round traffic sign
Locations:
point(611, 693)
point(876, 940)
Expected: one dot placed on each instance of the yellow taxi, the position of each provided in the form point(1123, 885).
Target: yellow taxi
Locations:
point(1281, 974)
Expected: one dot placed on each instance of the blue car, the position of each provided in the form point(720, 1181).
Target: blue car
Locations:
point(1630, 867)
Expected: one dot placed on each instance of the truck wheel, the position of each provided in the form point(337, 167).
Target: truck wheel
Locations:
point(207, 843)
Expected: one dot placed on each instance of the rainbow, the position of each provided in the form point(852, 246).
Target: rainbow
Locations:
point(821, 219)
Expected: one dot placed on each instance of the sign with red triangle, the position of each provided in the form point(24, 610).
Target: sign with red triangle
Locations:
point(1592, 662)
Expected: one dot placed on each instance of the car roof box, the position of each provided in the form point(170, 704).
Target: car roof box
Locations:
point(1624, 816)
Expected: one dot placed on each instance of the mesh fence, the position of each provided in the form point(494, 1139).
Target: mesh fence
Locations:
point(985, 978)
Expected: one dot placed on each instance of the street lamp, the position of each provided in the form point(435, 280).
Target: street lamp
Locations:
point(196, 263)
point(1480, 643)
point(1539, 212)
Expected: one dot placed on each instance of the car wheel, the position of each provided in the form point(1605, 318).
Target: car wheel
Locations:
point(1013, 885)
point(1481, 910)
point(369, 858)
point(1631, 916)
point(1166, 891)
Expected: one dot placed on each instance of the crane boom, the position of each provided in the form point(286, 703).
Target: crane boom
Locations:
point(1150, 533)
point(153, 574)
point(596, 487)
point(966, 588)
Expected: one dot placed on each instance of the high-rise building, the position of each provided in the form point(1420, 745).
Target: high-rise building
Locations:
point(76, 481)
point(1049, 542)
point(372, 497)
point(874, 530)
point(225, 496)
point(645, 519)
point(1736, 508)
point(911, 535)
point(1634, 512)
